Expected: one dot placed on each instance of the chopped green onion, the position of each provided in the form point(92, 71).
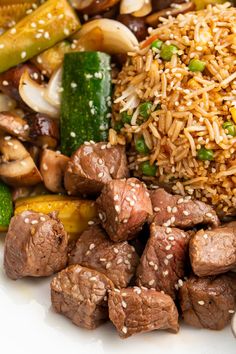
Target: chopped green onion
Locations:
point(126, 118)
point(230, 127)
point(205, 154)
point(196, 65)
point(148, 170)
point(141, 146)
point(157, 44)
point(167, 51)
point(145, 109)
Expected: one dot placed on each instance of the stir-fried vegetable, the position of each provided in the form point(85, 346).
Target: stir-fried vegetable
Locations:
point(167, 51)
point(145, 109)
point(148, 169)
point(230, 128)
point(157, 44)
point(196, 65)
point(75, 214)
point(86, 99)
point(205, 154)
point(141, 146)
point(50, 23)
point(6, 207)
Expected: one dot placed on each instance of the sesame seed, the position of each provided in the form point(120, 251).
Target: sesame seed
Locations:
point(125, 221)
point(23, 55)
point(100, 161)
point(26, 221)
point(132, 203)
point(174, 210)
point(72, 134)
point(87, 253)
point(169, 256)
point(172, 220)
point(120, 260)
point(151, 263)
point(73, 84)
point(209, 215)
point(13, 31)
point(201, 302)
point(93, 278)
point(166, 262)
point(186, 213)
point(102, 259)
point(137, 290)
point(108, 265)
point(127, 262)
point(180, 282)
point(2, 46)
point(171, 238)
point(115, 250)
point(169, 209)
point(5, 83)
point(66, 31)
point(45, 167)
point(90, 222)
point(165, 273)
point(34, 222)
point(168, 230)
point(180, 201)
point(117, 290)
point(112, 169)
point(117, 208)
point(100, 175)
point(46, 35)
point(124, 304)
point(124, 330)
point(231, 311)
point(92, 246)
point(42, 218)
point(205, 236)
point(151, 282)
point(116, 197)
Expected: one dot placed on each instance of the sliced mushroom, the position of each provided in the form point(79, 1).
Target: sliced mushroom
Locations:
point(36, 128)
point(17, 167)
point(52, 168)
point(145, 9)
point(14, 125)
point(44, 131)
point(136, 24)
point(93, 7)
point(153, 19)
point(130, 6)
point(6, 103)
point(10, 81)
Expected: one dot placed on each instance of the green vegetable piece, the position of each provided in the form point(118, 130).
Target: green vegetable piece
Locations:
point(6, 207)
point(49, 24)
point(145, 109)
point(86, 99)
point(126, 118)
point(167, 51)
point(118, 126)
point(141, 146)
point(148, 170)
point(205, 154)
point(157, 44)
point(196, 65)
point(230, 127)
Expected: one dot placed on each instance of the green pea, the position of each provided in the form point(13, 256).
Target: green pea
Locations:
point(145, 109)
point(126, 118)
point(230, 127)
point(167, 51)
point(157, 44)
point(141, 146)
point(118, 125)
point(148, 170)
point(196, 65)
point(205, 154)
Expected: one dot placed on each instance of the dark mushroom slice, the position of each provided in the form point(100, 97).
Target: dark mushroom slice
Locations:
point(93, 7)
point(52, 169)
point(10, 80)
point(17, 167)
point(153, 19)
point(44, 131)
point(136, 24)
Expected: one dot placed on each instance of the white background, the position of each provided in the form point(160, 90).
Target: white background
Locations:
point(28, 325)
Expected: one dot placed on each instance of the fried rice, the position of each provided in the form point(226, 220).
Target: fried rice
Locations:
point(188, 108)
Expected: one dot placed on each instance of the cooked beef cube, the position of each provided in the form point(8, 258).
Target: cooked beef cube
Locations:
point(81, 294)
point(207, 302)
point(175, 210)
point(118, 261)
point(213, 251)
point(162, 265)
point(135, 310)
point(92, 166)
point(123, 208)
point(35, 245)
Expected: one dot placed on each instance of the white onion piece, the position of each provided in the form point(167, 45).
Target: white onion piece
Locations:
point(129, 6)
point(145, 9)
point(233, 324)
point(117, 38)
point(53, 92)
point(6, 103)
point(33, 95)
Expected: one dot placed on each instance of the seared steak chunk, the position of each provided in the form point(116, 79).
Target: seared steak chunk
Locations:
point(175, 210)
point(162, 265)
point(35, 245)
point(94, 165)
point(123, 208)
point(207, 302)
point(135, 310)
point(118, 261)
point(81, 295)
point(213, 251)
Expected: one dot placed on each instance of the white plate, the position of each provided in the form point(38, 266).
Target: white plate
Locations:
point(28, 325)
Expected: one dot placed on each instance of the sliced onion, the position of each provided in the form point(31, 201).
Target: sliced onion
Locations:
point(53, 91)
point(129, 6)
point(145, 9)
point(233, 324)
point(6, 103)
point(33, 94)
point(117, 38)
